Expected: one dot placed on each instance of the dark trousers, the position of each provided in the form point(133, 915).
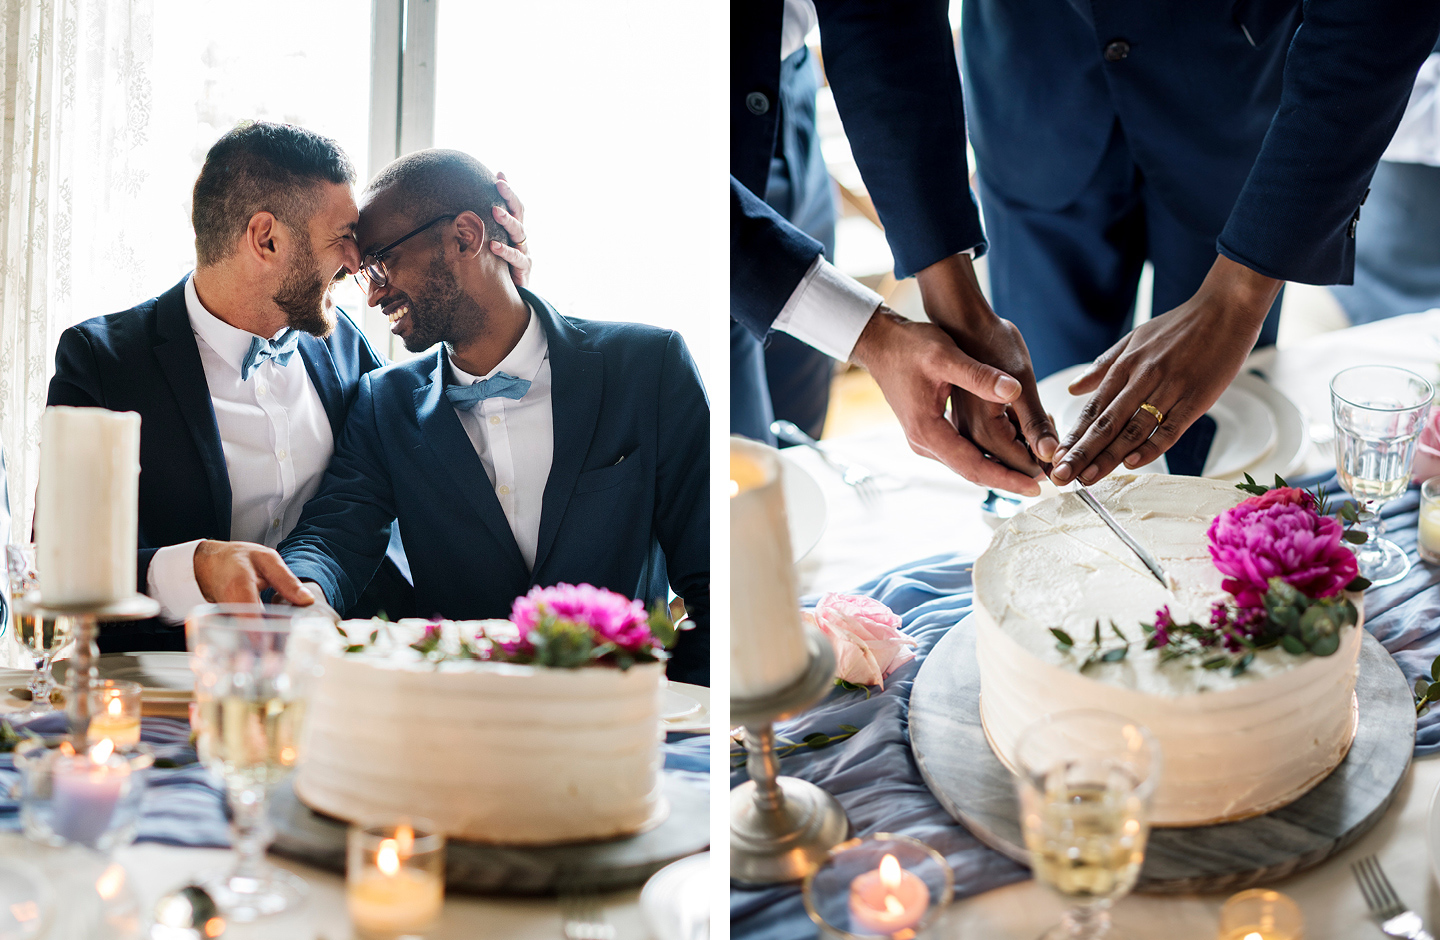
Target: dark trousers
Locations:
point(1068, 278)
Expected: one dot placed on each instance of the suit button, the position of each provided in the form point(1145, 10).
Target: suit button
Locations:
point(1116, 49)
point(757, 102)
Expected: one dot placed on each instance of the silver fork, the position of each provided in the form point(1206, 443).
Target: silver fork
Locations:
point(584, 918)
point(858, 478)
point(1396, 920)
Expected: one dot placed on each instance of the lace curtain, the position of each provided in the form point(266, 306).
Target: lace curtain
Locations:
point(76, 114)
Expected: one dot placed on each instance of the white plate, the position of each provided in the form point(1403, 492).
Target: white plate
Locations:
point(689, 704)
point(676, 900)
point(1257, 429)
point(804, 506)
point(162, 675)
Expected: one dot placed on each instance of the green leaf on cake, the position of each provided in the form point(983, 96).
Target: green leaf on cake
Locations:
point(1359, 584)
point(1242, 664)
point(1216, 662)
point(1123, 637)
point(1096, 641)
point(1115, 655)
point(1326, 645)
point(1064, 639)
point(354, 648)
point(1292, 644)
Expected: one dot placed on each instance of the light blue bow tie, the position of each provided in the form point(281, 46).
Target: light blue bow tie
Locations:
point(262, 349)
point(499, 385)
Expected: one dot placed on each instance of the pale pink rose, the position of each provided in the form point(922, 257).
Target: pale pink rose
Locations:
point(1427, 455)
point(865, 635)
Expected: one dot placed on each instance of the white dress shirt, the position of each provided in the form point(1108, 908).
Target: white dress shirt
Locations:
point(276, 439)
point(516, 439)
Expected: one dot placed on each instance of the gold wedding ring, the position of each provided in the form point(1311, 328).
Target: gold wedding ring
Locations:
point(1155, 413)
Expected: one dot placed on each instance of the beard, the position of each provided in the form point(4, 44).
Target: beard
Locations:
point(302, 296)
point(441, 312)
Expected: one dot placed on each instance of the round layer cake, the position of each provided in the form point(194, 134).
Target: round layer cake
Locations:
point(1232, 746)
point(491, 752)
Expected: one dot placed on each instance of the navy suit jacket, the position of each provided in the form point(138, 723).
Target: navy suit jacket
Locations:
point(1248, 122)
point(625, 506)
point(146, 360)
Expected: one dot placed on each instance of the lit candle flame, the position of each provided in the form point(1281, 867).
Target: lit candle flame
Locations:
point(405, 840)
point(1253, 936)
point(890, 872)
point(893, 907)
point(287, 755)
point(101, 752)
point(115, 706)
point(214, 927)
point(110, 882)
point(387, 859)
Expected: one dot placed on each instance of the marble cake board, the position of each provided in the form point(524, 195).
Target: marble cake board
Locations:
point(972, 784)
point(476, 868)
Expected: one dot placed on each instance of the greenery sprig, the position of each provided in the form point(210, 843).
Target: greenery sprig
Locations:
point(1100, 652)
point(1426, 690)
point(784, 747)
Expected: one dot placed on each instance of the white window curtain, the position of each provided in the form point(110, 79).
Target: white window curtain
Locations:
point(76, 111)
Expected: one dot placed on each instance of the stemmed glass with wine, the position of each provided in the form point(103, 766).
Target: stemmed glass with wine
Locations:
point(44, 638)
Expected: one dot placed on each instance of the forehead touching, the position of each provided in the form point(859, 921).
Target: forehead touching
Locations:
point(382, 219)
point(336, 212)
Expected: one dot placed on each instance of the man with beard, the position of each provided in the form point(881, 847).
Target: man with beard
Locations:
point(242, 373)
point(528, 449)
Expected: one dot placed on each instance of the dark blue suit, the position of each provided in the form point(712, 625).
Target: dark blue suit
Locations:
point(625, 507)
point(146, 360)
point(1104, 134)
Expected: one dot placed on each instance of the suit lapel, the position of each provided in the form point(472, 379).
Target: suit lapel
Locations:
point(326, 379)
point(179, 360)
point(576, 381)
point(442, 432)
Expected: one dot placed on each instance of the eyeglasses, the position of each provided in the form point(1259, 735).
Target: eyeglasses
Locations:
point(372, 266)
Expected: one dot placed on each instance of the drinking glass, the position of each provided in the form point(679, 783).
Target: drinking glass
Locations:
point(254, 666)
point(1085, 780)
point(43, 637)
point(1379, 412)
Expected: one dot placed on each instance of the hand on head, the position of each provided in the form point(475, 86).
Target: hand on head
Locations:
point(516, 253)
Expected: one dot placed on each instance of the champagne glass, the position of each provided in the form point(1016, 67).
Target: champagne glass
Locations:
point(43, 637)
point(1085, 780)
point(254, 665)
point(1379, 412)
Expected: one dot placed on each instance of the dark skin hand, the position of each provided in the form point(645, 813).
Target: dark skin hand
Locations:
point(1179, 362)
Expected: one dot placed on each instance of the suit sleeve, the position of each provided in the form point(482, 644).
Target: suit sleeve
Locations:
point(343, 532)
point(1348, 76)
point(682, 492)
point(768, 259)
point(77, 383)
point(896, 82)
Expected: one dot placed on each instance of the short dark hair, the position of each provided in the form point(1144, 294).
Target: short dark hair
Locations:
point(436, 182)
point(260, 166)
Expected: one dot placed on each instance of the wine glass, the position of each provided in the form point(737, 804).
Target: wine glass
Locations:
point(254, 665)
point(1085, 780)
point(1379, 412)
point(43, 637)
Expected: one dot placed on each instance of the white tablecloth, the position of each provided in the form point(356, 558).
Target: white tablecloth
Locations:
point(939, 512)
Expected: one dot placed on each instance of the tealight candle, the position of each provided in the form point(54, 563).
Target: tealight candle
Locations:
point(888, 899)
point(114, 713)
point(1260, 914)
point(1429, 540)
point(395, 879)
point(86, 789)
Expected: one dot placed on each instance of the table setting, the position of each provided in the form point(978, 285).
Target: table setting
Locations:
point(151, 794)
point(893, 748)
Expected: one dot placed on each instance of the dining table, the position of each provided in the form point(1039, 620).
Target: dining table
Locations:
point(927, 525)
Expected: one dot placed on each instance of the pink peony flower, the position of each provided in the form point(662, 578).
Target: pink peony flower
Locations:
point(1427, 454)
point(1279, 535)
point(865, 635)
point(613, 618)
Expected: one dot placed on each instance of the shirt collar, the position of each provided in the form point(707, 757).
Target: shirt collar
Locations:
point(523, 361)
point(229, 342)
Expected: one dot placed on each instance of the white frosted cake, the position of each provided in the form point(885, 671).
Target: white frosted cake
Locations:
point(1233, 745)
point(489, 751)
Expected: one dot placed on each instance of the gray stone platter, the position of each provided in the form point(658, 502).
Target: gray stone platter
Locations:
point(474, 868)
point(974, 787)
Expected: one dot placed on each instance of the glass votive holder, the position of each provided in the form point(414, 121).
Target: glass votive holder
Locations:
point(394, 877)
point(881, 886)
point(91, 798)
point(1429, 536)
point(114, 713)
point(1260, 914)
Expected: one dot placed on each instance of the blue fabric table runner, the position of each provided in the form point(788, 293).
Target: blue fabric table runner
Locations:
point(875, 778)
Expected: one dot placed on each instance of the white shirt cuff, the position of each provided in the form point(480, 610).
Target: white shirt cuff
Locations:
point(170, 579)
point(828, 310)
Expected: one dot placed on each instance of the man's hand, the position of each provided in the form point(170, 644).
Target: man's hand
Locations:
point(1015, 434)
point(236, 573)
point(513, 222)
point(916, 365)
point(1178, 363)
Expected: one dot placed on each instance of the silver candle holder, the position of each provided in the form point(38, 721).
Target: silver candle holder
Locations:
point(782, 828)
point(83, 671)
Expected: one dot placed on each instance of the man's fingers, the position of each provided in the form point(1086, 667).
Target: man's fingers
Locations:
point(1091, 378)
point(512, 201)
point(978, 379)
point(1035, 424)
point(277, 574)
point(515, 256)
point(936, 438)
point(511, 225)
point(1177, 421)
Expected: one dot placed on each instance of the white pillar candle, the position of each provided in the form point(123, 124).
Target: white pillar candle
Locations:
point(767, 640)
point(87, 519)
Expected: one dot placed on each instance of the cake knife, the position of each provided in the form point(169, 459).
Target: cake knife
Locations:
point(1086, 497)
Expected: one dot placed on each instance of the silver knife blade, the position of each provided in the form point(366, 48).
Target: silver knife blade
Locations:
point(1125, 537)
